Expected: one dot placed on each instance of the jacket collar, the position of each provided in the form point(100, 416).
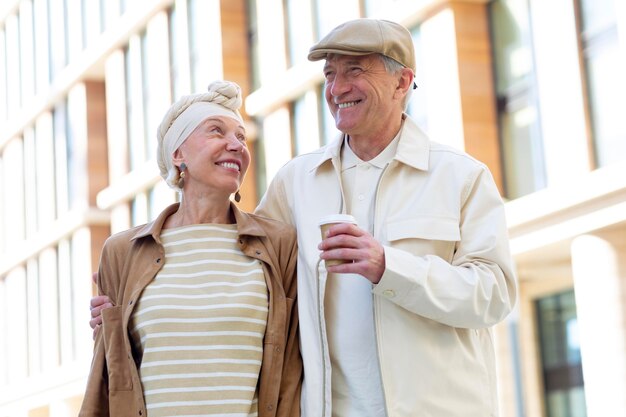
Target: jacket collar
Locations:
point(413, 147)
point(246, 224)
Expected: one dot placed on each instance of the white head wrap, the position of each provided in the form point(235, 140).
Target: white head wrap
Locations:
point(223, 99)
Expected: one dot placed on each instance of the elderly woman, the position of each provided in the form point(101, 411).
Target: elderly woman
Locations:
point(203, 320)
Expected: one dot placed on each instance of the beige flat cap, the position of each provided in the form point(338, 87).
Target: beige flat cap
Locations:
point(367, 36)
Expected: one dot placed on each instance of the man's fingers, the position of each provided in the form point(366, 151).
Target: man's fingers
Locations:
point(97, 311)
point(96, 321)
point(98, 301)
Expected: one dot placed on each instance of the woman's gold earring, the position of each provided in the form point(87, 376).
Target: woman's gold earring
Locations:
point(237, 196)
point(181, 176)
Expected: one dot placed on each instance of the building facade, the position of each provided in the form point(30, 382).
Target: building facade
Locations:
point(534, 89)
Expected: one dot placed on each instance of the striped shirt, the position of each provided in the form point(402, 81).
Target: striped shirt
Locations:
point(199, 326)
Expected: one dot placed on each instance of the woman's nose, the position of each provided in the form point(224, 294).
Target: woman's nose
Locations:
point(234, 144)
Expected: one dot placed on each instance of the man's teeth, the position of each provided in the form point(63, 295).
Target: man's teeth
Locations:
point(345, 105)
point(231, 165)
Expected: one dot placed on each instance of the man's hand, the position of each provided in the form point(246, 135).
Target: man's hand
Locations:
point(97, 304)
point(364, 254)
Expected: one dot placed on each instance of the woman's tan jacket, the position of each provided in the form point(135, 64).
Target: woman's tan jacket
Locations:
point(130, 261)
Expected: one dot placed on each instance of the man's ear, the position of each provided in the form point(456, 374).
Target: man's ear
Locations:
point(405, 82)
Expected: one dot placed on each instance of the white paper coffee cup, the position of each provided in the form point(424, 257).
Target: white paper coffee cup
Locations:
point(327, 221)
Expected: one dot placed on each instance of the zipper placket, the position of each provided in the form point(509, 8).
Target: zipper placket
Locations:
point(320, 300)
point(320, 318)
point(382, 383)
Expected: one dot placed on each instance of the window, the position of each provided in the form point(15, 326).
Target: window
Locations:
point(61, 157)
point(58, 36)
point(518, 116)
point(13, 71)
point(134, 101)
point(329, 129)
point(418, 102)
point(253, 45)
point(299, 24)
point(204, 43)
point(179, 52)
point(3, 77)
point(560, 356)
point(331, 13)
point(606, 87)
point(305, 123)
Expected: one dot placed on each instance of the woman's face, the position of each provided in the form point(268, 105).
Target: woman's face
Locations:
point(216, 155)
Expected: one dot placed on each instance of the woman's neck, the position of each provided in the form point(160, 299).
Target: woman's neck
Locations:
point(201, 210)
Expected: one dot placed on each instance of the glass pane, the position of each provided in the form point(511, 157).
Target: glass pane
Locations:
point(331, 13)
point(134, 102)
point(418, 103)
point(520, 133)
point(523, 153)
point(511, 42)
point(560, 356)
point(305, 123)
point(329, 129)
point(606, 89)
point(300, 30)
point(597, 14)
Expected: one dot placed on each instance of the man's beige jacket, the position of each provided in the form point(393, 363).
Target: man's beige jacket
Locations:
point(448, 278)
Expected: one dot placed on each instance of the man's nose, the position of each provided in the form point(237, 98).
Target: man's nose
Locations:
point(339, 85)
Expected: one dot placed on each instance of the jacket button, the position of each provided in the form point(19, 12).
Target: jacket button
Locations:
point(158, 260)
point(277, 349)
point(258, 252)
point(130, 303)
point(389, 293)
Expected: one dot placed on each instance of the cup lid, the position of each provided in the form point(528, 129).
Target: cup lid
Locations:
point(337, 218)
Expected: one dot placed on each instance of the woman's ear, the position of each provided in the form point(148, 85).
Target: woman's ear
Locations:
point(178, 157)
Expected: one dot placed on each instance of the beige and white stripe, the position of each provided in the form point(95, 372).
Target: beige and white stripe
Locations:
point(199, 326)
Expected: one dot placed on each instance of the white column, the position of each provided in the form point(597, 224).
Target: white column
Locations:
point(599, 302)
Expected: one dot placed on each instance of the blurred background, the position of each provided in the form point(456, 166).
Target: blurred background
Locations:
point(534, 88)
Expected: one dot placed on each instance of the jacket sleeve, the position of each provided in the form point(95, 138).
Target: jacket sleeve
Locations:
point(292, 373)
point(477, 287)
point(96, 399)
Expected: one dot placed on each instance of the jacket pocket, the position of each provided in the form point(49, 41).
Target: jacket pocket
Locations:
point(118, 363)
point(425, 235)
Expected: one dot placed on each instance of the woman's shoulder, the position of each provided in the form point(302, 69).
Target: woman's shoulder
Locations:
point(123, 240)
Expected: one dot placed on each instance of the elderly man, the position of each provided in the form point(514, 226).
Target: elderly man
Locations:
point(403, 328)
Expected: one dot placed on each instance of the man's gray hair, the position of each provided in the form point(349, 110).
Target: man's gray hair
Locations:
point(392, 67)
